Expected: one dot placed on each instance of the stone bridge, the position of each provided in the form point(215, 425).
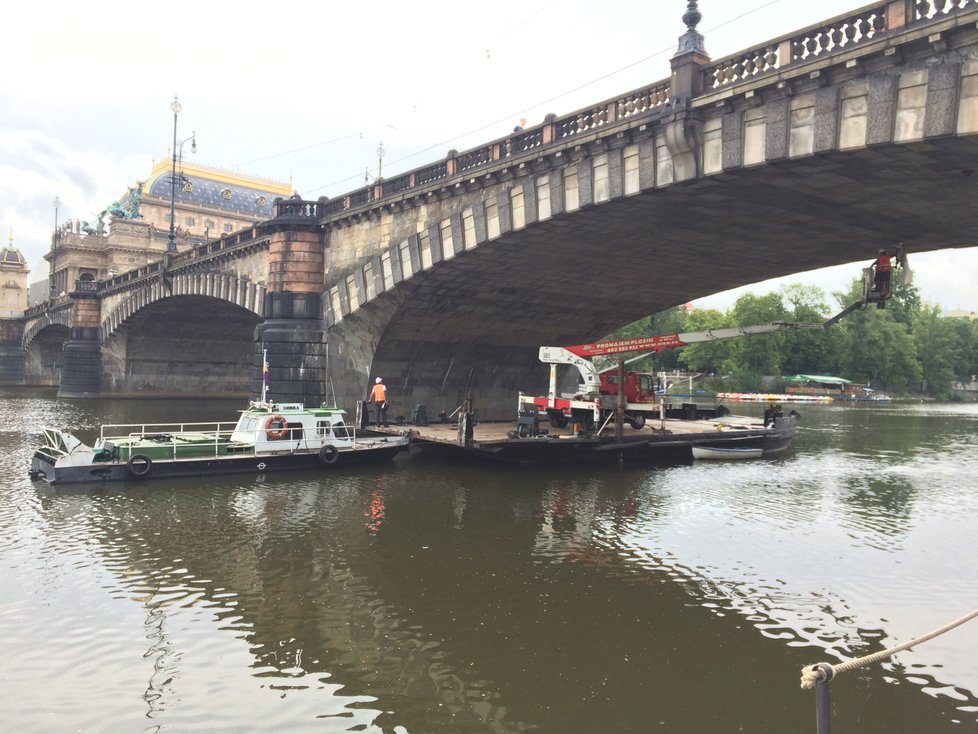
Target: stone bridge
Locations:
point(810, 150)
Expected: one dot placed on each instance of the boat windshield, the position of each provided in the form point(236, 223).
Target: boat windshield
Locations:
point(247, 423)
point(337, 429)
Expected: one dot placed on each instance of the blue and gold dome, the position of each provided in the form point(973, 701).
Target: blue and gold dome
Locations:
point(208, 187)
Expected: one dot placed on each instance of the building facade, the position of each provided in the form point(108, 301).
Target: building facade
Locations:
point(13, 282)
point(135, 231)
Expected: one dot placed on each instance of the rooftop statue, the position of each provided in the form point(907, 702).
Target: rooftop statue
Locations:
point(131, 211)
point(99, 228)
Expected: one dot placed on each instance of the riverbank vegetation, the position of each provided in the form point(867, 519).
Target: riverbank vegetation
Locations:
point(906, 348)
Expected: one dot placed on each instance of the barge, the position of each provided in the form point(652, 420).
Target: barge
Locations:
point(669, 441)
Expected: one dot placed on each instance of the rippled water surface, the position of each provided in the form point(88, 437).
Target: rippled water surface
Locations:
point(421, 596)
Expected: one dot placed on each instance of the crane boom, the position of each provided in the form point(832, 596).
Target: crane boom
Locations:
point(578, 355)
point(659, 342)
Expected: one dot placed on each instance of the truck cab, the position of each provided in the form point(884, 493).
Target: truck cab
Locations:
point(640, 387)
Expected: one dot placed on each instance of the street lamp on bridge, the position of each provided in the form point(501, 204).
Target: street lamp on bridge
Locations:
point(171, 246)
point(55, 239)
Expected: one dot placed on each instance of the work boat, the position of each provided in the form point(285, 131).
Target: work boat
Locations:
point(267, 437)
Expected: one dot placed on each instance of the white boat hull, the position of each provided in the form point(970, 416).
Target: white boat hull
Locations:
point(726, 453)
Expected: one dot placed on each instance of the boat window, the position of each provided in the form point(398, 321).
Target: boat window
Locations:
point(295, 431)
point(339, 430)
point(247, 423)
point(322, 428)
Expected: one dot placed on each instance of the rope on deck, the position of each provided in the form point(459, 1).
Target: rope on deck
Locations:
point(812, 674)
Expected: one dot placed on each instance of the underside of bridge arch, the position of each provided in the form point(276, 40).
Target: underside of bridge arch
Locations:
point(185, 345)
point(44, 357)
point(474, 323)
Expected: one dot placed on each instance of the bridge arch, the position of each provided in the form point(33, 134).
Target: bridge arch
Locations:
point(237, 291)
point(61, 317)
point(185, 345)
point(464, 305)
point(43, 346)
point(781, 176)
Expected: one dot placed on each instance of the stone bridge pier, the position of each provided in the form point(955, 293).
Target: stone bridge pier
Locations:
point(11, 353)
point(436, 341)
point(291, 339)
point(81, 373)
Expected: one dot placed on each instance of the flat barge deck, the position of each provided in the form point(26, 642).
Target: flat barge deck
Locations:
point(665, 442)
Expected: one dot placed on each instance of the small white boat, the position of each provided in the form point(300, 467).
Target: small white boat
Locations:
point(726, 452)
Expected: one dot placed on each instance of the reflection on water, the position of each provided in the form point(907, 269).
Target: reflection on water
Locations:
point(416, 596)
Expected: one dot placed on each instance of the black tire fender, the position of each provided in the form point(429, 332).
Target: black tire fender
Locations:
point(138, 466)
point(328, 454)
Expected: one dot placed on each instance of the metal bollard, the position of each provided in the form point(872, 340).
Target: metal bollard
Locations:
point(823, 703)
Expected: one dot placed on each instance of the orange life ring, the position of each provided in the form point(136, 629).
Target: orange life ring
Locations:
point(276, 428)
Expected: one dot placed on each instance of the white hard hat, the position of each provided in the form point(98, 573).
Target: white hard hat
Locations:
point(378, 380)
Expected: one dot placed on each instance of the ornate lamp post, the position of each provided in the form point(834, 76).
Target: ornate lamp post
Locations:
point(55, 241)
point(171, 246)
point(380, 161)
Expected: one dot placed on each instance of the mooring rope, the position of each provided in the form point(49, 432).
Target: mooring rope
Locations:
point(812, 674)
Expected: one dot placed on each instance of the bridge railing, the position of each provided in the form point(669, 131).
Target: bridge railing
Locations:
point(837, 34)
point(294, 208)
point(555, 131)
point(57, 303)
point(86, 286)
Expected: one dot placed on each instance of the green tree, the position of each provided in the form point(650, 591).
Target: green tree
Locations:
point(671, 321)
point(904, 302)
point(760, 355)
point(882, 352)
point(812, 351)
point(713, 357)
point(939, 348)
point(967, 331)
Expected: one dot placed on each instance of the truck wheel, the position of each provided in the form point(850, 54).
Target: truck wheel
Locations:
point(558, 420)
point(637, 421)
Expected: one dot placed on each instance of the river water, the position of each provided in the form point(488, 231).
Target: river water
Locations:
point(427, 596)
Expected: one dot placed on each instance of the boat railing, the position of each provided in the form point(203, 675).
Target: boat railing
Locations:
point(171, 435)
point(136, 430)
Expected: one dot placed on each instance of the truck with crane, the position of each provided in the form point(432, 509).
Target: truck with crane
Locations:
point(596, 399)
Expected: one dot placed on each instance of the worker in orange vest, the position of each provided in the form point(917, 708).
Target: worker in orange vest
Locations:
point(378, 395)
point(881, 281)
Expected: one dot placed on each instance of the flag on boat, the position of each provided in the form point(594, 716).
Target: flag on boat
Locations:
point(264, 370)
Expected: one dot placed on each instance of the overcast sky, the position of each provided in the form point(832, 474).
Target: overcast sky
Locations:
point(305, 92)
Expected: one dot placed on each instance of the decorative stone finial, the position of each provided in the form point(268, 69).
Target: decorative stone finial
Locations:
point(692, 16)
point(691, 40)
